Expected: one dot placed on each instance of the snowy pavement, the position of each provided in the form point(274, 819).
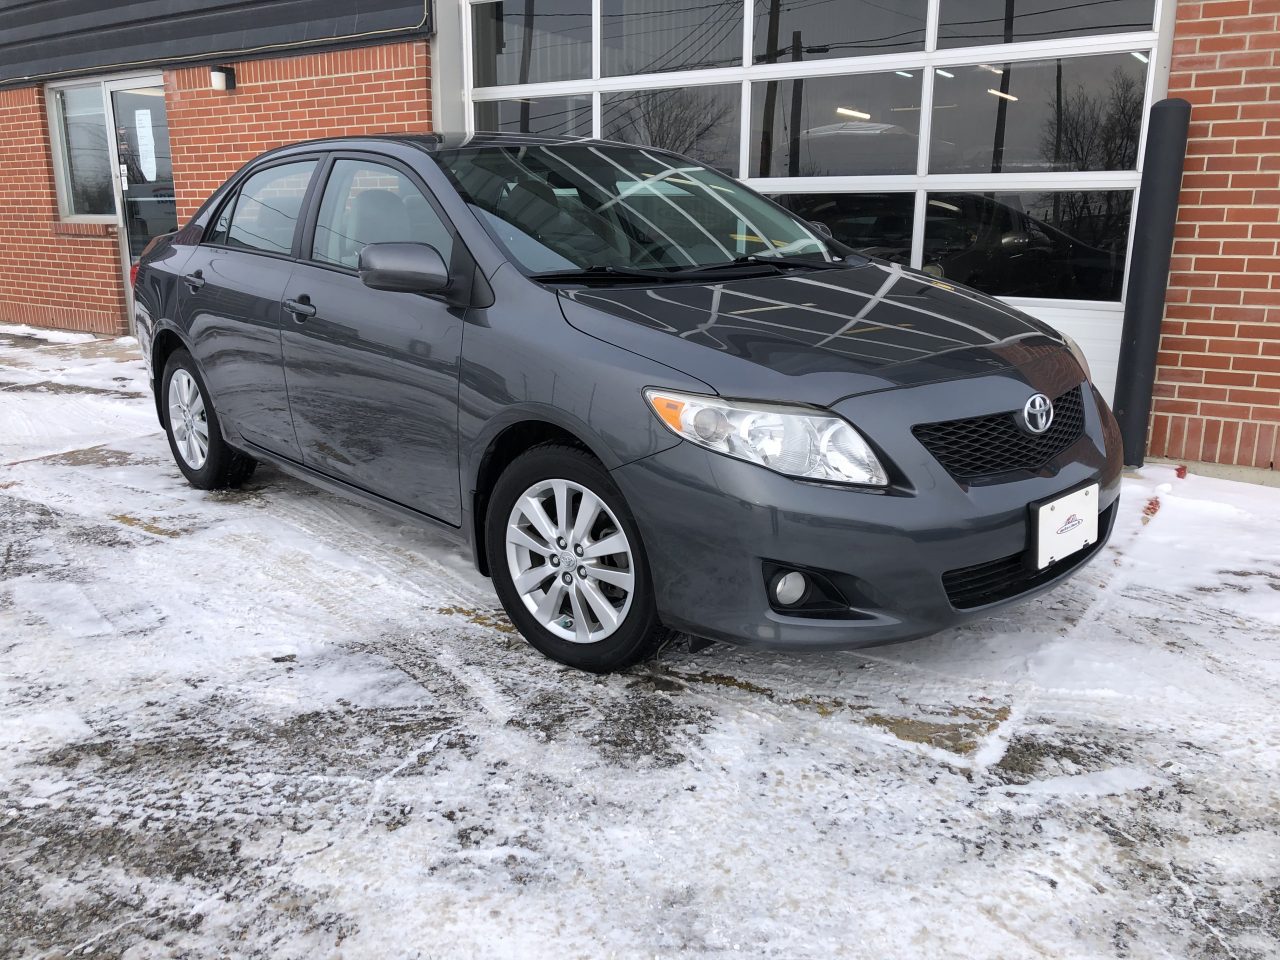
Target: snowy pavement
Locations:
point(270, 723)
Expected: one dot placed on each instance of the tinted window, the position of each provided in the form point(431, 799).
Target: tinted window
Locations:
point(548, 116)
point(851, 28)
point(829, 126)
point(700, 122)
point(366, 202)
point(531, 41)
point(266, 210)
point(1072, 113)
point(967, 23)
point(877, 224)
point(1056, 244)
point(656, 36)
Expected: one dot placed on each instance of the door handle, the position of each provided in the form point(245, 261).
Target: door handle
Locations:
point(194, 280)
point(300, 308)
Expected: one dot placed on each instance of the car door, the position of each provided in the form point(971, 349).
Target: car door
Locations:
point(230, 301)
point(373, 374)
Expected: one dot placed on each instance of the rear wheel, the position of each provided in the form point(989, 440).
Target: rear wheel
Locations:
point(195, 436)
point(568, 563)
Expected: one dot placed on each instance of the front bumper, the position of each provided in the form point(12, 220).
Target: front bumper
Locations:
point(710, 523)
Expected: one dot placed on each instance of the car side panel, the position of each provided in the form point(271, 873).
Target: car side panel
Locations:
point(233, 325)
point(373, 380)
point(529, 364)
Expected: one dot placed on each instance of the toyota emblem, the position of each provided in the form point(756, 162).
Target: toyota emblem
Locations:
point(1037, 415)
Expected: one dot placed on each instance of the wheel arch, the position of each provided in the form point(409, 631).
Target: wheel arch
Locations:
point(163, 344)
point(506, 444)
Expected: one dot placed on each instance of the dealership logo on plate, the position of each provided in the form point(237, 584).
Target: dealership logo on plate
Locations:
point(1070, 524)
point(1037, 414)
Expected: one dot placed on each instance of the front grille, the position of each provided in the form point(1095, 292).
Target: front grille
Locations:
point(978, 448)
point(1003, 579)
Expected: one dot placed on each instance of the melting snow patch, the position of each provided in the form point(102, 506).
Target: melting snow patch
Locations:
point(1100, 783)
point(42, 728)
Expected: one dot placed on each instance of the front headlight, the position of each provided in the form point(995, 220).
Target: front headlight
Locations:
point(790, 440)
point(1078, 354)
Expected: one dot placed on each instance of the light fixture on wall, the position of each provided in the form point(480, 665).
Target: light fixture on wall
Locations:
point(222, 78)
point(850, 112)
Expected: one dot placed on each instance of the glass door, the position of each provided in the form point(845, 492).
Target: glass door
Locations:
point(143, 168)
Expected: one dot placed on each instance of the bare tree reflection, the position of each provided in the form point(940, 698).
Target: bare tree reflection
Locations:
point(1094, 131)
point(688, 121)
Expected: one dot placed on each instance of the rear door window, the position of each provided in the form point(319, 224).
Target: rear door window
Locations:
point(265, 212)
point(369, 202)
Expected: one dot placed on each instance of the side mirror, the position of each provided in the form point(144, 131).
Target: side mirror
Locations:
point(821, 227)
point(1015, 240)
point(403, 267)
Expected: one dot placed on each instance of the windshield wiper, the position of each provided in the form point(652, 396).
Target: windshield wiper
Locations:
point(744, 265)
point(755, 260)
point(588, 274)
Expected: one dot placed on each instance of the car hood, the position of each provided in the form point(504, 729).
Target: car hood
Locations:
point(814, 336)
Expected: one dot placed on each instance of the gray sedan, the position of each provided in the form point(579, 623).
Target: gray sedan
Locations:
point(649, 399)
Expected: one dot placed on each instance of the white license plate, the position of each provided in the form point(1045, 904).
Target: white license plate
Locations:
point(1065, 525)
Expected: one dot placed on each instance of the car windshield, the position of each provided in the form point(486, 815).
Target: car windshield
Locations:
point(577, 206)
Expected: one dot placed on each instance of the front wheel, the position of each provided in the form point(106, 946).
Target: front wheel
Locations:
point(568, 563)
point(195, 436)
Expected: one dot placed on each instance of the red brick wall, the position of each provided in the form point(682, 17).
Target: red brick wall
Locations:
point(55, 274)
point(377, 89)
point(1218, 384)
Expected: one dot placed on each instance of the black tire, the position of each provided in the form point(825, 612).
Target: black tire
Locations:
point(640, 634)
point(223, 466)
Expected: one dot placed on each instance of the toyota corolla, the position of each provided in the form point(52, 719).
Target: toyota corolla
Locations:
point(649, 399)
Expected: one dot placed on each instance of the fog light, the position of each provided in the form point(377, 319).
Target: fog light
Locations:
point(790, 588)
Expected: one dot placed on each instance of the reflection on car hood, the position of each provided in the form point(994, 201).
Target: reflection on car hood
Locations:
point(815, 337)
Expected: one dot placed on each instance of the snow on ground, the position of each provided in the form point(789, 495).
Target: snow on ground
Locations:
point(270, 723)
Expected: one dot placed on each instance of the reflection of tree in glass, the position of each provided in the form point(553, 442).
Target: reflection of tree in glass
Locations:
point(1094, 131)
point(681, 121)
point(90, 173)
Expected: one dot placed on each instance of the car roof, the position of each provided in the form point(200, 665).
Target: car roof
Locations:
point(431, 142)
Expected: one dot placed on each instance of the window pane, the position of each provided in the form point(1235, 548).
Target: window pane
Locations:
point(877, 224)
point(266, 211)
point(1054, 244)
point(655, 36)
point(531, 41)
point(967, 23)
point(848, 28)
point(831, 126)
point(549, 116)
point(87, 161)
point(1073, 113)
point(365, 203)
point(699, 122)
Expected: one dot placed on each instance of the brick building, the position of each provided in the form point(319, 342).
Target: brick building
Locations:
point(1218, 382)
point(998, 143)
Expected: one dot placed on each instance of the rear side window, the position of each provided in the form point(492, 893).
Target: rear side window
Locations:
point(367, 202)
point(265, 214)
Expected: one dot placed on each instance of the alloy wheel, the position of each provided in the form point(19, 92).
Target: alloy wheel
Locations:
point(570, 561)
point(188, 419)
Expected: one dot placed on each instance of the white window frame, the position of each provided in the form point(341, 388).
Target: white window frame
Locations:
point(58, 147)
